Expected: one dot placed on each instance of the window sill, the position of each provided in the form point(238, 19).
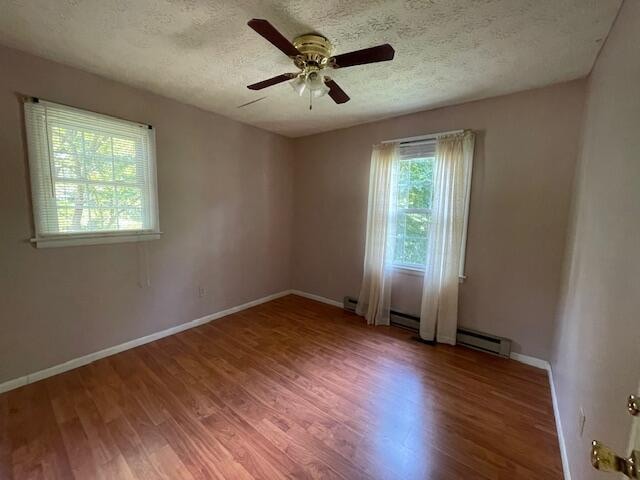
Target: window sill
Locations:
point(416, 271)
point(77, 240)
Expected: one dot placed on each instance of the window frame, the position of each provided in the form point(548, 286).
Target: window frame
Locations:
point(42, 175)
point(413, 269)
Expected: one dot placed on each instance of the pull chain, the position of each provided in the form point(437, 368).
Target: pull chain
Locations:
point(310, 100)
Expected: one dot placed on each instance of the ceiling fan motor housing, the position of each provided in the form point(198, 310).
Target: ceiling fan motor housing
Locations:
point(315, 51)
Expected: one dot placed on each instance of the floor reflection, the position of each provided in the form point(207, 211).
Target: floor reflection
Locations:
point(404, 409)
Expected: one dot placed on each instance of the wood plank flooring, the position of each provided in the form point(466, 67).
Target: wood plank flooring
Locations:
point(289, 389)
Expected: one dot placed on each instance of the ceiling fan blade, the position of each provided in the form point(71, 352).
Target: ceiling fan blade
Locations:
point(271, 81)
point(381, 53)
point(336, 93)
point(272, 35)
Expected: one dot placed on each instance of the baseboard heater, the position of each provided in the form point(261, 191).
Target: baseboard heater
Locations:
point(467, 337)
point(397, 318)
point(484, 341)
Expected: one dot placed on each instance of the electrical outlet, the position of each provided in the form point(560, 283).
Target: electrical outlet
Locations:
point(582, 419)
point(201, 292)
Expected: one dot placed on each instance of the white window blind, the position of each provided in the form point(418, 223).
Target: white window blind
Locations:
point(414, 197)
point(93, 177)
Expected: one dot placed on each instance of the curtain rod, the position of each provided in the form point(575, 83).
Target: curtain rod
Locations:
point(422, 138)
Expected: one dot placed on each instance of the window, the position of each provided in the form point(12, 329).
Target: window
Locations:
point(93, 177)
point(414, 196)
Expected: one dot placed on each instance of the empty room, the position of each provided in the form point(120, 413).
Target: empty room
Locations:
point(346, 239)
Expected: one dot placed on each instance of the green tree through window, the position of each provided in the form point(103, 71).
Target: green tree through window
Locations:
point(95, 179)
point(414, 196)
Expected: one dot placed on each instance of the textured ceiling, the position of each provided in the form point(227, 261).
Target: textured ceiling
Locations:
point(201, 51)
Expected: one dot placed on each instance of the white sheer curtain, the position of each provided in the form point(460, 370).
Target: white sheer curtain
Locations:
point(452, 177)
point(375, 294)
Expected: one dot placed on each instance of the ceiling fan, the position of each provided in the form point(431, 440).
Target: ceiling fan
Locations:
point(311, 54)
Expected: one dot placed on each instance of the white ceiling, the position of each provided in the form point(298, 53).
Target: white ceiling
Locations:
point(201, 51)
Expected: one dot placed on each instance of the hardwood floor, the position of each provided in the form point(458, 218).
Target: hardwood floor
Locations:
point(289, 389)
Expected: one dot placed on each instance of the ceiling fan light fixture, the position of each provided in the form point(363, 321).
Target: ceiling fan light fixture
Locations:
point(299, 84)
point(320, 92)
point(315, 84)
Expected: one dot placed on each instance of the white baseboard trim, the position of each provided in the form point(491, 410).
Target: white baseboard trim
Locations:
point(13, 384)
point(556, 412)
point(92, 357)
point(538, 362)
point(533, 361)
point(317, 298)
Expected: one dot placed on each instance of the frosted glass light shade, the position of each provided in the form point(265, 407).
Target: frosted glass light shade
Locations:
point(299, 85)
point(320, 92)
point(312, 82)
point(315, 83)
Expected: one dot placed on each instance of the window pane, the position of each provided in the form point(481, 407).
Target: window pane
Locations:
point(398, 258)
point(66, 146)
point(130, 218)
point(97, 169)
point(95, 160)
point(416, 224)
point(413, 203)
point(415, 250)
point(415, 183)
point(402, 201)
point(129, 196)
point(418, 170)
point(67, 194)
point(67, 218)
point(399, 247)
point(125, 171)
point(418, 196)
point(411, 237)
point(414, 195)
point(100, 195)
point(124, 149)
point(99, 219)
point(66, 167)
point(404, 172)
point(87, 219)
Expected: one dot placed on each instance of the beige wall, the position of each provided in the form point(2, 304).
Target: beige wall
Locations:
point(225, 196)
point(524, 165)
point(235, 212)
point(596, 356)
point(226, 213)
